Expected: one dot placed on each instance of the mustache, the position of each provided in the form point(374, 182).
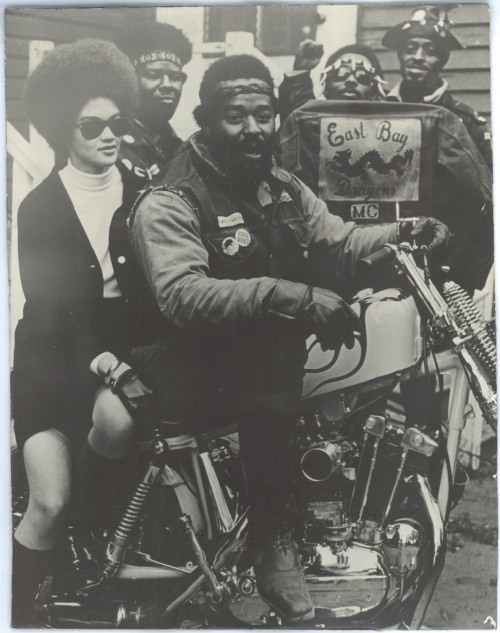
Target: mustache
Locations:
point(254, 145)
point(416, 64)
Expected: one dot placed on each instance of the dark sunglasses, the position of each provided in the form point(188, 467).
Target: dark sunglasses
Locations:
point(93, 128)
point(363, 77)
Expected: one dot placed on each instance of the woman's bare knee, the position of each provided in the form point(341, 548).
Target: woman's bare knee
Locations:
point(48, 508)
point(113, 427)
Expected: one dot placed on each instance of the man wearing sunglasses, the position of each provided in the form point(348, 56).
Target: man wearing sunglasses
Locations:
point(423, 45)
point(158, 53)
point(352, 73)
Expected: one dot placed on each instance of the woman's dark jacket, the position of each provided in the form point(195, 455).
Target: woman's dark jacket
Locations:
point(66, 321)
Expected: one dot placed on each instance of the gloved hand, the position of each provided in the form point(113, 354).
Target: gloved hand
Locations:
point(331, 319)
point(325, 313)
point(425, 231)
point(308, 56)
point(134, 394)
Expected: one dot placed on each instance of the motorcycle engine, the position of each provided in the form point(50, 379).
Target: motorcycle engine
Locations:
point(370, 521)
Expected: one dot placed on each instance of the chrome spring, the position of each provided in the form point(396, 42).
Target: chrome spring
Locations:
point(133, 512)
point(470, 319)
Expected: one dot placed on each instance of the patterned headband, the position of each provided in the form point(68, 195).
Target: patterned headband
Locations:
point(158, 56)
point(261, 88)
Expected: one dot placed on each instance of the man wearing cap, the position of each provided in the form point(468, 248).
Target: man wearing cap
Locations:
point(352, 73)
point(423, 44)
point(158, 52)
point(244, 261)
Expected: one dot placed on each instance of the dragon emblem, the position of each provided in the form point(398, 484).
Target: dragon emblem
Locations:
point(342, 163)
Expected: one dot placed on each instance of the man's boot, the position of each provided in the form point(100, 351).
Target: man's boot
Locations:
point(266, 450)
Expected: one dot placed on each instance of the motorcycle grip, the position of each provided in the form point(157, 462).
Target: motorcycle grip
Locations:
point(367, 264)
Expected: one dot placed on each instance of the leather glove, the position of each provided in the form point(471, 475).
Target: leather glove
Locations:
point(308, 56)
point(324, 313)
point(331, 319)
point(425, 231)
point(137, 398)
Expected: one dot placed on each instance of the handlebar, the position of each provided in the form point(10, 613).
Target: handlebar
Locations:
point(365, 266)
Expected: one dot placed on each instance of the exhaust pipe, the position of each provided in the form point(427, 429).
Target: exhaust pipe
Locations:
point(98, 615)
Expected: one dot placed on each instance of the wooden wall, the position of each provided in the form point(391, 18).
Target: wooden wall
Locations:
point(467, 72)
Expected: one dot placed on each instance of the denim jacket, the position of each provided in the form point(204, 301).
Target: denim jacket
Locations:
point(212, 256)
point(439, 172)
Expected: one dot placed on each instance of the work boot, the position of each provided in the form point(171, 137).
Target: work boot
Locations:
point(279, 576)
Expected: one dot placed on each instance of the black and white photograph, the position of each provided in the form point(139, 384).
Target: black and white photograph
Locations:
point(252, 347)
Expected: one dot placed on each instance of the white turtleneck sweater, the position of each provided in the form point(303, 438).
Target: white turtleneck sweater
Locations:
point(95, 198)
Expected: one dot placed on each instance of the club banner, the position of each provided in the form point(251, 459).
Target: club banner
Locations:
point(369, 159)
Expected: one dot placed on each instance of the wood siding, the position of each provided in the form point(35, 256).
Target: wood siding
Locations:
point(467, 71)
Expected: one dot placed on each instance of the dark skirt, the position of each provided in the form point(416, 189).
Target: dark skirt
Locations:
point(51, 384)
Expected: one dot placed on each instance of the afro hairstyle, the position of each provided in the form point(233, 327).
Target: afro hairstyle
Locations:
point(70, 76)
point(357, 49)
point(226, 69)
point(147, 37)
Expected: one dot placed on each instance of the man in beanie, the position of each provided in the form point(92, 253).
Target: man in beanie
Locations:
point(158, 53)
point(352, 73)
point(244, 260)
point(423, 44)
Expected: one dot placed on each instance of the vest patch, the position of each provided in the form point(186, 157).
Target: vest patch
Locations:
point(285, 197)
point(367, 211)
point(230, 220)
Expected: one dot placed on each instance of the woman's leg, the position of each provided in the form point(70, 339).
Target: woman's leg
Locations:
point(48, 467)
point(106, 465)
point(114, 429)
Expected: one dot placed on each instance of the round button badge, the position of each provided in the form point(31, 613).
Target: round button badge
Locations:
point(230, 246)
point(243, 237)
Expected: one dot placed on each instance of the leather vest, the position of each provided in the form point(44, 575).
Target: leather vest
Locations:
point(245, 237)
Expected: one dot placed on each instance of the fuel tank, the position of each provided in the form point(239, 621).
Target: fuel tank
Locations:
point(390, 342)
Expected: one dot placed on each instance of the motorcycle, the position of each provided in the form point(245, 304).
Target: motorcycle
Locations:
point(374, 491)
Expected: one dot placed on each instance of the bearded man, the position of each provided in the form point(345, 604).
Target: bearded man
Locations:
point(244, 261)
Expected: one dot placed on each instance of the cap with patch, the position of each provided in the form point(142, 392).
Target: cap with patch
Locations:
point(431, 22)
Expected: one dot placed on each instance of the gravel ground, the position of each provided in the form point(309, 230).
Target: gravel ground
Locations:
point(466, 595)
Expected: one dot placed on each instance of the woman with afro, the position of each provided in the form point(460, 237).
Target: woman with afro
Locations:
point(84, 296)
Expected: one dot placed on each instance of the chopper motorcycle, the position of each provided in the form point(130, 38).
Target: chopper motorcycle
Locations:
point(374, 492)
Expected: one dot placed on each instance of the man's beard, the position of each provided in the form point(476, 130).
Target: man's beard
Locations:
point(244, 173)
point(249, 174)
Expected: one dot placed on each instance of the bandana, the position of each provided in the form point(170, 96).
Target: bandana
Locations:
point(158, 56)
point(231, 88)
